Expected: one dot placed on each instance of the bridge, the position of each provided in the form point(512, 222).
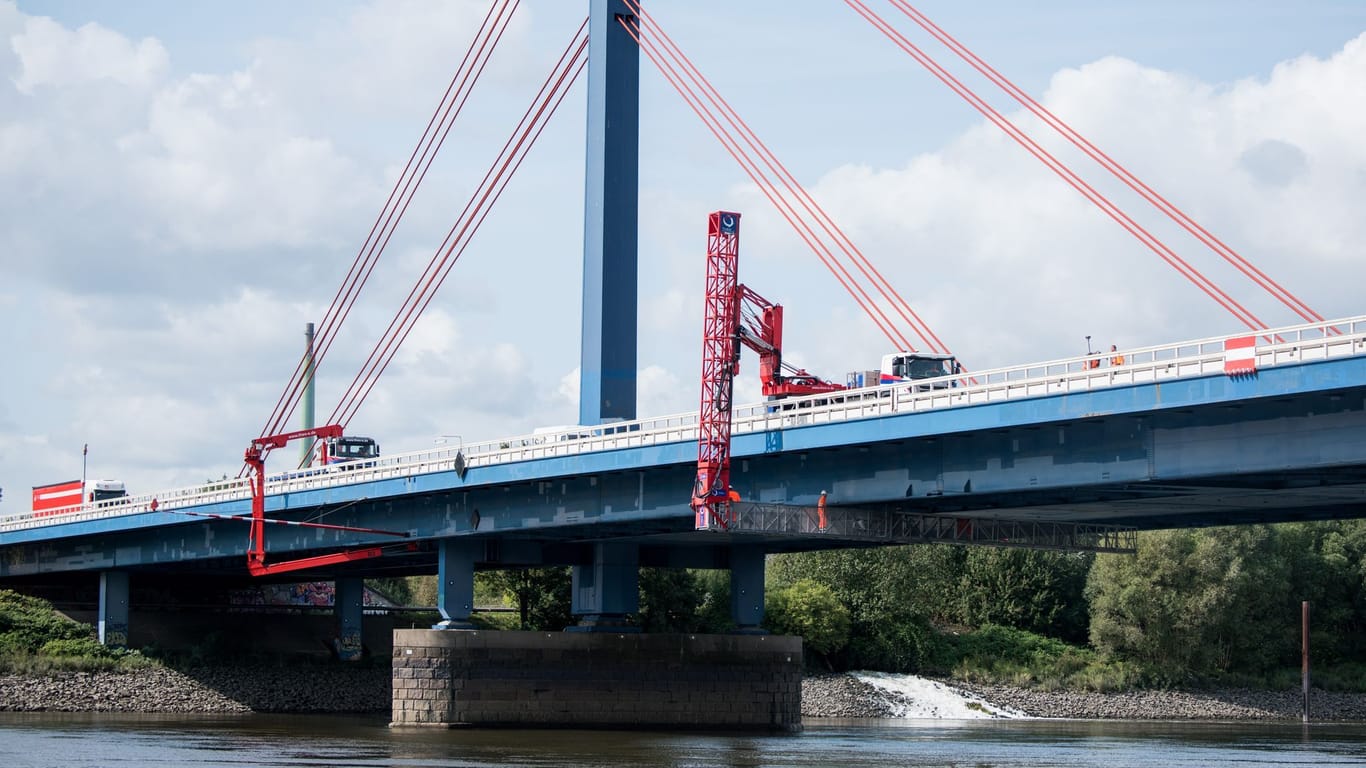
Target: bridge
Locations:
point(1053, 454)
point(1264, 425)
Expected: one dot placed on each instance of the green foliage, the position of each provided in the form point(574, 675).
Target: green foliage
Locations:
point(422, 589)
point(888, 630)
point(1029, 589)
point(27, 623)
point(811, 610)
point(676, 600)
point(1195, 604)
point(81, 646)
point(540, 595)
point(35, 639)
point(713, 613)
point(1018, 657)
point(396, 588)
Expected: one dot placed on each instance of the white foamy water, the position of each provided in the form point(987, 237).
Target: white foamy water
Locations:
point(916, 697)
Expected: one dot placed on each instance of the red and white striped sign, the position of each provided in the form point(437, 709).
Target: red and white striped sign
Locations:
point(49, 499)
point(1240, 356)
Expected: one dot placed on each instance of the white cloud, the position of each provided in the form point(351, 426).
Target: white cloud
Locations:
point(52, 55)
point(165, 233)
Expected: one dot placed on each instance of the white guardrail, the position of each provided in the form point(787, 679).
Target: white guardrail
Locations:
point(1282, 346)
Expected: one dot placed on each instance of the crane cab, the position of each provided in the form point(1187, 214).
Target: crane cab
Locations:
point(351, 448)
point(898, 367)
point(104, 490)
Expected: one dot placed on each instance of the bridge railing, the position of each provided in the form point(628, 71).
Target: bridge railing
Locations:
point(1203, 357)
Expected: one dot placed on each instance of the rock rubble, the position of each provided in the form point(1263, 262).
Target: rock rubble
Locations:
point(845, 696)
point(202, 690)
point(341, 689)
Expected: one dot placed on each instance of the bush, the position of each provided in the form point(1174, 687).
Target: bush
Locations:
point(27, 623)
point(809, 609)
point(73, 647)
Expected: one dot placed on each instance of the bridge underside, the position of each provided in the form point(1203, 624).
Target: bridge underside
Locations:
point(1286, 445)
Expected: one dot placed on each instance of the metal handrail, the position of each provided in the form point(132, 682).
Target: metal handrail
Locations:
point(1185, 359)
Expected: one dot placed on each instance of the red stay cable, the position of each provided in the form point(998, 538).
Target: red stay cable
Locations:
point(495, 180)
point(751, 167)
point(1154, 244)
point(405, 186)
point(813, 208)
point(769, 190)
point(1114, 167)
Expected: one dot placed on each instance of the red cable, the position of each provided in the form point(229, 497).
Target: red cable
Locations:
point(425, 168)
point(770, 191)
point(1119, 171)
point(808, 202)
point(405, 319)
point(290, 396)
point(504, 177)
point(481, 47)
point(428, 274)
point(1181, 266)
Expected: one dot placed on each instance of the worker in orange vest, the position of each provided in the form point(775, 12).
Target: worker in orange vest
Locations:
point(821, 522)
point(1115, 357)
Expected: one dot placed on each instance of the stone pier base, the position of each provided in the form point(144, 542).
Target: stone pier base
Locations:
point(597, 680)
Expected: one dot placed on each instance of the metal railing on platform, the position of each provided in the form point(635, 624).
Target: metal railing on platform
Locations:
point(1204, 357)
point(899, 527)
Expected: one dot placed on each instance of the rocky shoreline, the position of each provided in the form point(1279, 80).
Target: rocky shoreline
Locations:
point(338, 689)
point(216, 690)
point(846, 696)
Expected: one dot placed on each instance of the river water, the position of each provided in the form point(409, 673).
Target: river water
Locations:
point(48, 740)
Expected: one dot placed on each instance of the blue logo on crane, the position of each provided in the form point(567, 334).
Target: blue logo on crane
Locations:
point(730, 222)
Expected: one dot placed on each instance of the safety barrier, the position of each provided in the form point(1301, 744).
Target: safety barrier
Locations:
point(1274, 347)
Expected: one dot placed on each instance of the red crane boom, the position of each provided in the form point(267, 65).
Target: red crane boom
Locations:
point(255, 458)
point(734, 315)
point(720, 358)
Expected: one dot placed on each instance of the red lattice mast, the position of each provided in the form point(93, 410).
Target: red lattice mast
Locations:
point(720, 358)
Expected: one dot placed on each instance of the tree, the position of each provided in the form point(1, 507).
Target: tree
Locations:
point(1194, 602)
point(888, 629)
point(811, 610)
point(1030, 589)
point(541, 595)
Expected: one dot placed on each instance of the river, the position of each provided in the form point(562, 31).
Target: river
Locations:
point(50, 740)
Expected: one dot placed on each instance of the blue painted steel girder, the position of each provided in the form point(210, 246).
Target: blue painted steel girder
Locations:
point(1197, 451)
point(607, 372)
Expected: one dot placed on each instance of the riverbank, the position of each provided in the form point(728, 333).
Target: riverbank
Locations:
point(315, 688)
point(860, 696)
point(307, 688)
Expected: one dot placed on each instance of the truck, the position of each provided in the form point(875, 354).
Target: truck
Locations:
point(104, 490)
point(898, 367)
point(350, 448)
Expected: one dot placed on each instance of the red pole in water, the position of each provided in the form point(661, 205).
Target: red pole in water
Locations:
point(1304, 655)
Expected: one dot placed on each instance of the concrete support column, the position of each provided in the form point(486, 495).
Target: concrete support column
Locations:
point(455, 582)
point(348, 605)
point(607, 375)
point(747, 589)
point(605, 592)
point(114, 608)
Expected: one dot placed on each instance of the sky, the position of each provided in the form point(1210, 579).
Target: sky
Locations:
point(183, 186)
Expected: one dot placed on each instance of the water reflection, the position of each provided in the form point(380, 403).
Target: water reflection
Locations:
point(77, 740)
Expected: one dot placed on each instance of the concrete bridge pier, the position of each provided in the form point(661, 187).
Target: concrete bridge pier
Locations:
point(747, 589)
point(113, 609)
point(605, 593)
point(349, 605)
point(455, 582)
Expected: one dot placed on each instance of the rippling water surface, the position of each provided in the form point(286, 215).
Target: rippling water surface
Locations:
point(73, 741)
